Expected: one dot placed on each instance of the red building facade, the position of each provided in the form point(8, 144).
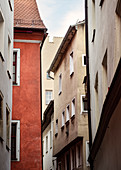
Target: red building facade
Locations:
point(29, 33)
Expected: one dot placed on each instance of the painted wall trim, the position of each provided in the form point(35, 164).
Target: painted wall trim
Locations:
point(28, 41)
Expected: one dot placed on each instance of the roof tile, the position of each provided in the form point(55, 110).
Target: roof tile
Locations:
point(26, 14)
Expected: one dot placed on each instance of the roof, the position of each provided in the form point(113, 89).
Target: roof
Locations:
point(26, 15)
point(63, 47)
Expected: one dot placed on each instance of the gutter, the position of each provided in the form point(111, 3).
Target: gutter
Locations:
point(88, 80)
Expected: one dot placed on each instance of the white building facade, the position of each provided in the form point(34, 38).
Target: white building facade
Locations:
point(104, 28)
point(6, 53)
point(49, 162)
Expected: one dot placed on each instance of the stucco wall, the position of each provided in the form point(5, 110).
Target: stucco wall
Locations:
point(108, 25)
point(26, 104)
point(5, 81)
point(49, 162)
point(48, 52)
point(72, 87)
point(110, 149)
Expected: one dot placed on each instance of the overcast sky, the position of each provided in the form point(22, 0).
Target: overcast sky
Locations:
point(58, 15)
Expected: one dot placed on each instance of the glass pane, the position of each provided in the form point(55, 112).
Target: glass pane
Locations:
point(13, 77)
point(14, 69)
point(14, 57)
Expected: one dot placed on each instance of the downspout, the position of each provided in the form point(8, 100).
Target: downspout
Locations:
point(88, 79)
point(45, 35)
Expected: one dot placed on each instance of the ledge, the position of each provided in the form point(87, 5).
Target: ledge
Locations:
point(56, 134)
point(72, 117)
point(9, 75)
point(1, 140)
point(62, 127)
point(8, 149)
point(1, 56)
point(67, 123)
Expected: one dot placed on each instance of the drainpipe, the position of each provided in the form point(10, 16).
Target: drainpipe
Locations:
point(45, 35)
point(88, 79)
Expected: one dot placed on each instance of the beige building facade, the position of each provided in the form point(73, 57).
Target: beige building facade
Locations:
point(6, 50)
point(104, 28)
point(49, 49)
point(70, 103)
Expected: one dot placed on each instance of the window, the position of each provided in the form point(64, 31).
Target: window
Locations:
point(96, 97)
point(118, 8)
point(73, 107)
point(1, 115)
point(67, 159)
point(7, 126)
point(79, 154)
point(51, 139)
point(101, 2)
point(15, 140)
point(67, 113)
point(87, 153)
point(16, 67)
point(60, 84)
point(48, 95)
point(48, 78)
point(71, 64)
point(1, 36)
point(104, 76)
point(73, 160)
point(84, 106)
point(43, 147)
point(9, 1)
point(46, 144)
point(83, 59)
point(9, 71)
point(63, 118)
point(59, 166)
point(56, 128)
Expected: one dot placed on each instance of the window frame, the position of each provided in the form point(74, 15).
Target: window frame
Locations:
point(46, 144)
point(17, 122)
point(63, 119)
point(87, 153)
point(17, 74)
point(71, 63)
point(83, 55)
point(73, 107)
point(82, 105)
point(67, 113)
point(47, 101)
point(1, 119)
point(60, 83)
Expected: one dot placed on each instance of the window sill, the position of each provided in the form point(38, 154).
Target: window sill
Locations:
point(84, 111)
point(9, 75)
point(1, 140)
point(1, 56)
point(62, 127)
point(71, 74)
point(72, 117)
point(10, 5)
point(14, 159)
point(56, 134)
point(7, 148)
point(67, 123)
point(59, 93)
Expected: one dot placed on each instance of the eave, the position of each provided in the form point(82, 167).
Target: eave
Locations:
point(62, 49)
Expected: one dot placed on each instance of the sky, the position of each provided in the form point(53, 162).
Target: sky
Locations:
point(58, 15)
